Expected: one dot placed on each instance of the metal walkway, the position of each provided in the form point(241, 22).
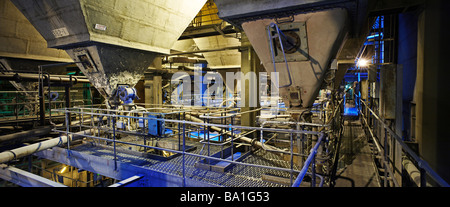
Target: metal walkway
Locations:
point(237, 176)
point(356, 166)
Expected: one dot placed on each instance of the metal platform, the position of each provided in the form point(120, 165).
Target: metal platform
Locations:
point(357, 167)
point(237, 176)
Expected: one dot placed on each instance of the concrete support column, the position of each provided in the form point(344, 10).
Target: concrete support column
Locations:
point(249, 63)
point(391, 82)
point(153, 90)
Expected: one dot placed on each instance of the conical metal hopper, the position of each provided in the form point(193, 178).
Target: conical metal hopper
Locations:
point(320, 35)
point(113, 42)
point(315, 29)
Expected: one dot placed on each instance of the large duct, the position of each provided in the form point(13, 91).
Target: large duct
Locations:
point(316, 30)
point(113, 42)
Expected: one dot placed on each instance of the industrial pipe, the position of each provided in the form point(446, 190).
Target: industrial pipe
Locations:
point(210, 50)
point(35, 132)
point(280, 35)
point(253, 142)
point(29, 133)
point(412, 170)
point(23, 77)
point(9, 155)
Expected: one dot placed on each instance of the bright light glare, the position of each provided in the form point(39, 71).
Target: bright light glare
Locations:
point(63, 170)
point(363, 63)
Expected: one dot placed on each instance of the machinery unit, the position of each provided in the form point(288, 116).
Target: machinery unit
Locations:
point(127, 94)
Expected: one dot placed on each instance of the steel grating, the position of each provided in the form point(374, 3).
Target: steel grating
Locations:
point(237, 176)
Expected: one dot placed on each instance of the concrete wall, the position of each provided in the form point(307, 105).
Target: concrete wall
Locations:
point(141, 24)
point(19, 39)
point(432, 99)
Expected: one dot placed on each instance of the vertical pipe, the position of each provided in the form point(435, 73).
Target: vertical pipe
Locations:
point(385, 159)
point(222, 123)
point(41, 101)
point(80, 117)
point(179, 131)
point(208, 140)
point(313, 170)
point(67, 128)
point(232, 138)
point(292, 159)
point(67, 97)
point(184, 152)
point(16, 109)
point(114, 141)
point(302, 146)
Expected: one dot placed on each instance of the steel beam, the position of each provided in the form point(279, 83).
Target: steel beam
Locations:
point(250, 62)
point(24, 178)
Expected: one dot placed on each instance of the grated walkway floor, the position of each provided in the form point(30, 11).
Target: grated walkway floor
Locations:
point(356, 167)
point(237, 176)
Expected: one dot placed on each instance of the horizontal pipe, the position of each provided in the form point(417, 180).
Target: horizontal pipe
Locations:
point(34, 132)
point(205, 51)
point(23, 76)
point(29, 133)
point(9, 155)
point(422, 163)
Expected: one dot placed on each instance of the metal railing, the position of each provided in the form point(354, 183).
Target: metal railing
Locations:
point(108, 131)
point(208, 15)
point(24, 105)
point(421, 164)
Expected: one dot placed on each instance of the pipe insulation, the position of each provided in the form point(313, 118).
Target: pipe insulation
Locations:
point(9, 155)
point(34, 77)
point(412, 170)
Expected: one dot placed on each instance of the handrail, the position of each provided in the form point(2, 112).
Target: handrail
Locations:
point(421, 163)
point(190, 122)
point(309, 160)
point(380, 149)
point(181, 150)
point(291, 139)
